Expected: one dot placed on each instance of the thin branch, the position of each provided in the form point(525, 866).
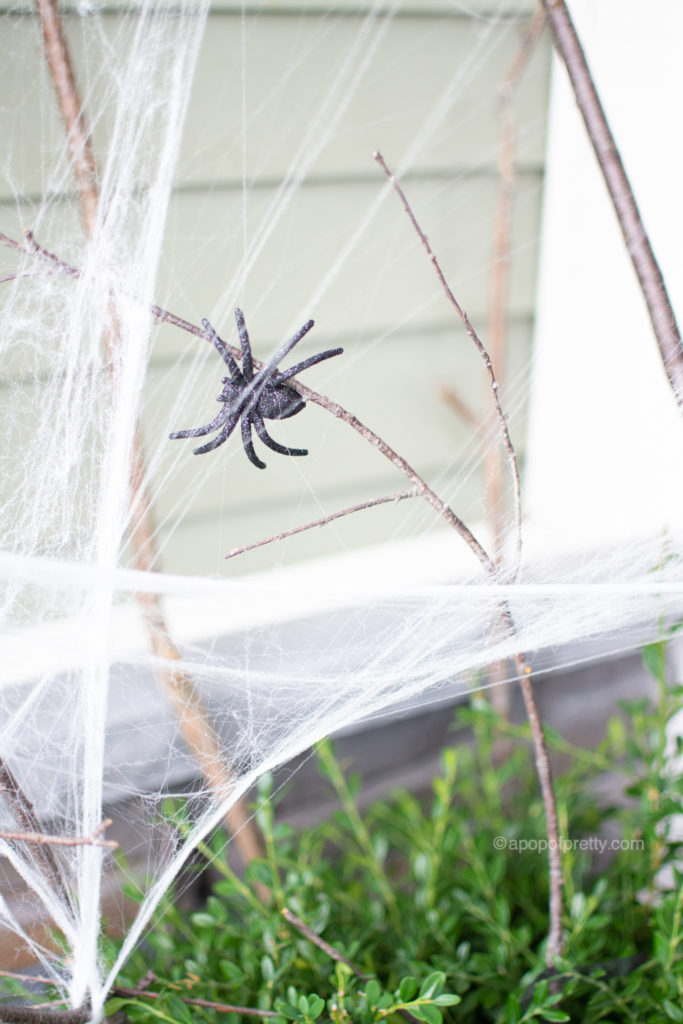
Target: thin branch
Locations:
point(331, 951)
point(486, 359)
point(26, 817)
point(459, 406)
point(497, 333)
point(638, 245)
point(322, 522)
point(554, 943)
point(70, 107)
point(143, 993)
point(33, 978)
point(43, 1015)
point(195, 724)
point(497, 327)
point(40, 838)
point(164, 316)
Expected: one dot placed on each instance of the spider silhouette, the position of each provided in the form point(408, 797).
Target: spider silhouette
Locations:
point(255, 397)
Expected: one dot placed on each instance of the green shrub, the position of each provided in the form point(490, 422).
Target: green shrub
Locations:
point(439, 905)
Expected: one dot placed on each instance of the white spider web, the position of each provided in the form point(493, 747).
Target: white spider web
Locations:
point(269, 199)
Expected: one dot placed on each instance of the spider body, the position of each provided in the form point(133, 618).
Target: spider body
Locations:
point(276, 403)
point(251, 397)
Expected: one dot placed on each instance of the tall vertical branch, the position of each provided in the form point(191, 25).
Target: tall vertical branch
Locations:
point(497, 327)
point(554, 942)
point(650, 279)
point(195, 725)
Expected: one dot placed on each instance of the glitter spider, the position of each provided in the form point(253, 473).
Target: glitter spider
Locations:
point(254, 397)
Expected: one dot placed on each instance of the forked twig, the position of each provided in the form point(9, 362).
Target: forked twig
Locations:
point(161, 315)
point(423, 489)
point(391, 498)
point(485, 357)
point(554, 942)
point(650, 278)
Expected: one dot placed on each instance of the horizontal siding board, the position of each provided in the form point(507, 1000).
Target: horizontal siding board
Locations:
point(385, 282)
point(384, 285)
point(499, 9)
point(294, 101)
point(292, 65)
point(381, 301)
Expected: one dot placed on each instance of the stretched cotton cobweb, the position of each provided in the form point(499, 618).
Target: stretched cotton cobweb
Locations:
point(201, 210)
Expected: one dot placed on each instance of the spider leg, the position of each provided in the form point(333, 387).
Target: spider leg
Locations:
point(248, 443)
point(305, 363)
point(223, 436)
point(260, 428)
point(259, 381)
point(221, 347)
point(247, 364)
point(269, 368)
point(224, 414)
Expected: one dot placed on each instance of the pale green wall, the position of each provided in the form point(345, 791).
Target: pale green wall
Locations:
point(400, 337)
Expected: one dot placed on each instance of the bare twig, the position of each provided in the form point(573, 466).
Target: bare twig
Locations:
point(422, 488)
point(322, 522)
point(43, 1015)
point(39, 979)
point(497, 328)
point(638, 245)
point(27, 819)
point(554, 943)
point(70, 107)
point(163, 316)
point(309, 934)
point(333, 953)
point(486, 359)
point(40, 838)
point(497, 333)
point(143, 993)
point(459, 405)
point(195, 724)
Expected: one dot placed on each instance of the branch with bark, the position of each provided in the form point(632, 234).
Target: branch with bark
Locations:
point(42, 839)
point(638, 246)
point(524, 672)
point(195, 724)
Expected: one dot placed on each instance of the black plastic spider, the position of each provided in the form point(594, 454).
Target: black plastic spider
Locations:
point(254, 397)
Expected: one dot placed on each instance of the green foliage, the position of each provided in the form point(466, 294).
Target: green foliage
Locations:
point(437, 907)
